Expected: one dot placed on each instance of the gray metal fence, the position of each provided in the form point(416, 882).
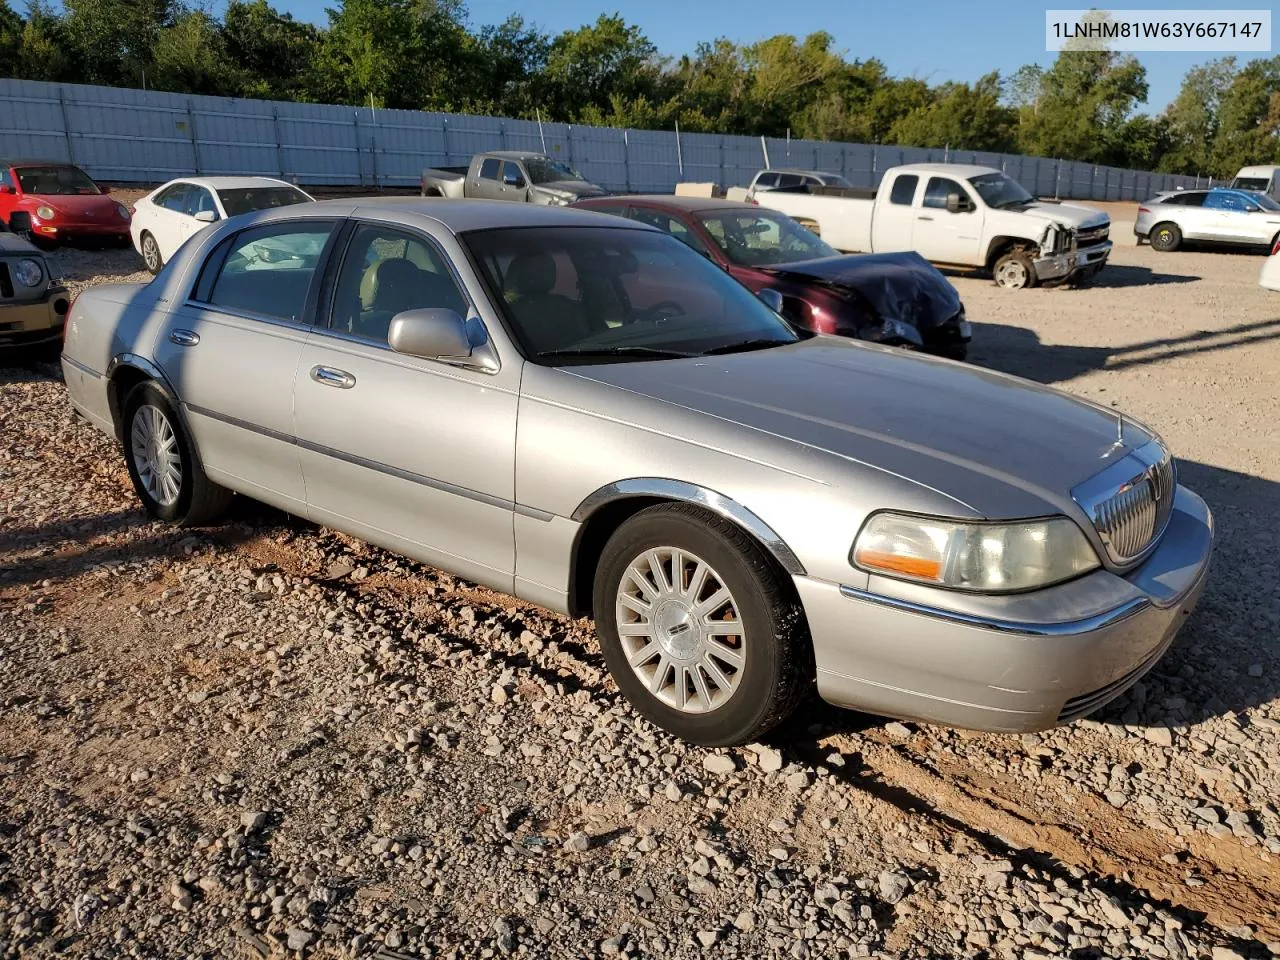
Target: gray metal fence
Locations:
point(141, 136)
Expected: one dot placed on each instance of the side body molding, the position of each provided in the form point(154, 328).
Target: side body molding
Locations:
point(692, 493)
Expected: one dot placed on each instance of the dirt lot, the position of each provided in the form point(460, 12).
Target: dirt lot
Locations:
point(263, 737)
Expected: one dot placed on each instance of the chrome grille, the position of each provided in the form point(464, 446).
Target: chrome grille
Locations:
point(1130, 502)
point(1091, 236)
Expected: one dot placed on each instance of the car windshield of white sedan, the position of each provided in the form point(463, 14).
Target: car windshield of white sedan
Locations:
point(249, 199)
point(54, 181)
point(752, 239)
point(596, 294)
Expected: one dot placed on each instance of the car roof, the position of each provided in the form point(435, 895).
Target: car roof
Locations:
point(230, 183)
point(670, 201)
point(811, 173)
point(459, 216)
point(516, 155)
point(962, 170)
point(1258, 171)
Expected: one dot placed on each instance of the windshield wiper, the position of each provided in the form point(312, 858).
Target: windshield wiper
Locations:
point(742, 346)
point(625, 350)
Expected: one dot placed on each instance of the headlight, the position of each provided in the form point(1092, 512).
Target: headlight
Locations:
point(46, 212)
point(28, 273)
point(123, 211)
point(982, 557)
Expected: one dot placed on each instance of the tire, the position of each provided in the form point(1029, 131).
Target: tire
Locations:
point(151, 253)
point(1014, 271)
point(185, 497)
point(1165, 237)
point(763, 671)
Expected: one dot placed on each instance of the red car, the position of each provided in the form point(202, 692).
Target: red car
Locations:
point(895, 298)
point(63, 201)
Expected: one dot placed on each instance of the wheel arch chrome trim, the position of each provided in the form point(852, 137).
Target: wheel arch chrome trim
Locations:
point(685, 492)
point(1064, 628)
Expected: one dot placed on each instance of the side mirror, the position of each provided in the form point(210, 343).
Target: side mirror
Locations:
point(207, 216)
point(20, 221)
point(772, 299)
point(958, 204)
point(433, 333)
point(513, 180)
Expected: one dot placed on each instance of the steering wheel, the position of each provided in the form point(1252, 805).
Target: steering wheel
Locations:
point(661, 310)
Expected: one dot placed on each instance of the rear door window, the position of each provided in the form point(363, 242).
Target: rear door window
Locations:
point(268, 271)
point(790, 180)
point(904, 190)
point(174, 198)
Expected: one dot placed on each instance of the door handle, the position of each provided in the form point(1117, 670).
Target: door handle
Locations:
point(332, 377)
point(924, 218)
point(184, 338)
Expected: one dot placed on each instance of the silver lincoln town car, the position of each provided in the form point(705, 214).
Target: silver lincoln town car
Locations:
point(583, 412)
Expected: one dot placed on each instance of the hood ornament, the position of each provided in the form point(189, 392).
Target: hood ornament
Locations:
point(1118, 443)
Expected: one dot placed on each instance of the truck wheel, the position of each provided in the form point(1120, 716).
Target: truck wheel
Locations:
point(1166, 237)
point(699, 630)
point(1014, 271)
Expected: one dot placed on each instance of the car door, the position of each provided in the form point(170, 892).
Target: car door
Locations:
point(487, 180)
point(8, 194)
point(894, 220)
point(941, 235)
point(169, 217)
point(415, 455)
point(1186, 211)
point(198, 200)
point(1225, 217)
point(515, 183)
point(231, 350)
point(1255, 225)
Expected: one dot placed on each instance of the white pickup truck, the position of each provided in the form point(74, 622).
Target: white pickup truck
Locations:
point(957, 215)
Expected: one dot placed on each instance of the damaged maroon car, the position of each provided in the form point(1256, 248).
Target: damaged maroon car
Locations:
point(898, 299)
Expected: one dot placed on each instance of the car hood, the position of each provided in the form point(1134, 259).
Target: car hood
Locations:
point(579, 189)
point(1002, 446)
point(12, 243)
point(902, 286)
point(1073, 214)
point(79, 206)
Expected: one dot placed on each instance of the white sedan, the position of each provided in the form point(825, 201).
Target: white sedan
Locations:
point(1270, 276)
point(167, 217)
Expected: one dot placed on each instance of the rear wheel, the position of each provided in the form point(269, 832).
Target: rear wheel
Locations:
point(165, 472)
point(151, 253)
point(1014, 271)
point(698, 627)
point(1165, 237)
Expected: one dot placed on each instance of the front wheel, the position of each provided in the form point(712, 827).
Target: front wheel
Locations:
point(151, 253)
point(699, 629)
point(165, 472)
point(1014, 271)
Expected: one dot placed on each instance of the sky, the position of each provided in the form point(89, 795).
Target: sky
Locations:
point(935, 40)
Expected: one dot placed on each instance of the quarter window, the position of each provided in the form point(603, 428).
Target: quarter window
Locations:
point(935, 194)
point(386, 272)
point(489, 168)
point(767, 180)
point(268, 271)
point(904, 191)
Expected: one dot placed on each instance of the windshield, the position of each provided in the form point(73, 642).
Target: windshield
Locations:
point(758, 239)
point(601, 294)
point(1264, 201)
point(1251, 183)
point(248, 199)
point(998, 191)
point(544, 170)
point(53, 181)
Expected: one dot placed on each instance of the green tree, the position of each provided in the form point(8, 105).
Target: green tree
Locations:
point(1249, 119)
point(1192, 118)
point(189, 56)
point(961, 116)
point(112, 40)
point(43, 53)
point(509, 63)
point(272, 53)
point(591, 65)
point(11, 27)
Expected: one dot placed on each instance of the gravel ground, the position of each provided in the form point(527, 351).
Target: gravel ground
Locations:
point(265, 738)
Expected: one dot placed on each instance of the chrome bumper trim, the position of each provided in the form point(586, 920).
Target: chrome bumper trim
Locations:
point(1066, 628)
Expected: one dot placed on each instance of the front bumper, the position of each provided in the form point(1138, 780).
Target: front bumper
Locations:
point(1013, 663)
point(1066, 266)
point(104, 229)
point(33, 322)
